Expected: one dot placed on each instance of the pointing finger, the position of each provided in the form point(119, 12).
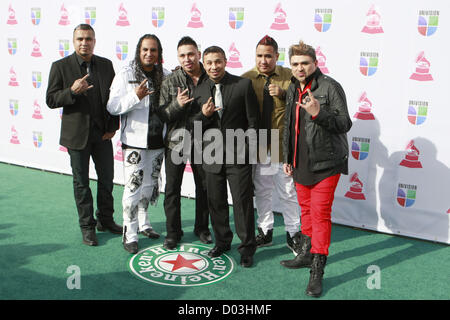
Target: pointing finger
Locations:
point(85, 77)
point(184, 91)
point(143, 83)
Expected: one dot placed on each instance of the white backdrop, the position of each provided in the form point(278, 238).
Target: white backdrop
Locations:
point(389, 57)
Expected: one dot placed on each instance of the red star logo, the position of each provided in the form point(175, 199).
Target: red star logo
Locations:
point(181, 262)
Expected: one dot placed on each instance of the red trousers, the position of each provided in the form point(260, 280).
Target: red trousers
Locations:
point(316, 201)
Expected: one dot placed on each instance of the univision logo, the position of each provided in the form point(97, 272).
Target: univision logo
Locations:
point(37, 139)
point(368, 63)
point(36, 78)
point(186, 266)
point(281, 56)
point(12, 46)
point(122, 50)
point(13, 107)
point(428, 22)
point(90, 15)
point(360, 148)
point(35, 16)
point(417, 112)
point(406, 194)
point(158, 16)
point(236, 18)
point(64, 47)
point(322, 19)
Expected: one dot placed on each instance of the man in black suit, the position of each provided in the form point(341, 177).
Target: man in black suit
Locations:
point(229, 112)
point(80, 85)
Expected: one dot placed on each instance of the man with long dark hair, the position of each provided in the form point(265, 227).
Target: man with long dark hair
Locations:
point(80, 83)
point(134, 96)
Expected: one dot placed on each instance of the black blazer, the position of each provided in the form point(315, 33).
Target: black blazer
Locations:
point(75, 118)
point(240, 111)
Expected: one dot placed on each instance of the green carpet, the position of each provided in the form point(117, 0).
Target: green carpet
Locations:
point(40, 239)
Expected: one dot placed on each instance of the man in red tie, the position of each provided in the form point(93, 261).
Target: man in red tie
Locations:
point(315, 154)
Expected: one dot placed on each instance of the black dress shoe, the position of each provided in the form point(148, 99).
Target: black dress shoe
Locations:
point(89, 237)
point(150, 233)
point(205, 237)
point(170, 243)
point(110, 226)
point(218, 251)
point(131, 247)
point(246, 261)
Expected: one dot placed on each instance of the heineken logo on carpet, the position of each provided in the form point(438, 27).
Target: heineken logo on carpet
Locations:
point(188, 265)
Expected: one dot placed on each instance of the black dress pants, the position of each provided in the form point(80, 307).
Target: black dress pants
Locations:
point(172, 197)
point(240, 179)
point(101, 152)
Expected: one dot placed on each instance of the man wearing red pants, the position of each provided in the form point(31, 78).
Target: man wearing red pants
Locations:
point(315, 154)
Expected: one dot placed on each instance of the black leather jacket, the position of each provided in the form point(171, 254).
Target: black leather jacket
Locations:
point(325, 135)
point(171, 112)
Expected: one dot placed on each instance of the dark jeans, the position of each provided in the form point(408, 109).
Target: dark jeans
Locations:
point(172, 197)
point(102, 155)
point(239, 178)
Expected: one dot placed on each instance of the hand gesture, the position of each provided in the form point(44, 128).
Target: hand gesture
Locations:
point(108, 135)
point(311, 105)
point(275, 91)
point(142, 91)
point(209, 108)
point(80, 86)
point(183, 97)
point(287, 169)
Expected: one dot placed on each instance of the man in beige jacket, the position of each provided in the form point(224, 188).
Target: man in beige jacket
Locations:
point(270, 82)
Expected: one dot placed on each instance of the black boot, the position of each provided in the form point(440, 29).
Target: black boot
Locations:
point(294, 242)
point(302, 246)
point(314, 288)
point(264, 240)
